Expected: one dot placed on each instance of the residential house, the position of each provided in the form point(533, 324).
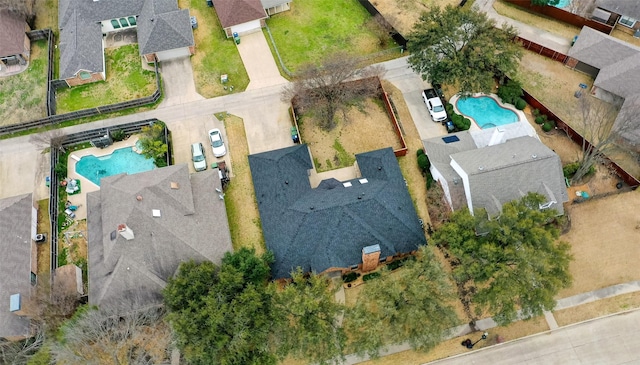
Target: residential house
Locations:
point(486, 169)
point(624, 13)
point(164, 33)
point(615, 66)
point(247, 16)
point(142, 226)
point(339, 225)
point(18, 265)
point(15, 47)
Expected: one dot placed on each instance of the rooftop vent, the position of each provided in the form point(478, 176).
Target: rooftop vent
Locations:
point(139, 198)
point(347, 184)
point(534, 156)
point(481, 168)
point(125, 232)
point(363, 181)
point(175, 185)
point(155, 213)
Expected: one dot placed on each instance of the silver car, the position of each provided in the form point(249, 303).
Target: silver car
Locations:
point(198, 158)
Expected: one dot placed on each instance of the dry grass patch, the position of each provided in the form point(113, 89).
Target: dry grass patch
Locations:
point(539, 21)
point(240, 198)
point(604, 240)
point(597, 309)
point(403, 14)
point(44, 226)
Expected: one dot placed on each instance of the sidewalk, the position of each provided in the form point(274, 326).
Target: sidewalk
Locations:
point(542, 37)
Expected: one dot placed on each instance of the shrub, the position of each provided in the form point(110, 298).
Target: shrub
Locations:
point(520, 104)
point(449, 108)
point(429, 181)
point(419, 152)
point(547, 127)
point(539, 119)
point(466, 124)
point(553, 123)
point(395, 264)
point(373, 275)
point(61, 169)
point(118, 135)
point(423, 163)
point(570, 169)
point(350, 276)
point(535, 112)
point(510, 92)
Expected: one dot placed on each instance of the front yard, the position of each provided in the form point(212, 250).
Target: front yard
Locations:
point(23, 95)
point(126, 80)
point(215, 54)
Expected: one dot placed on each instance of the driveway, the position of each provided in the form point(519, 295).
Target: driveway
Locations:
point(177, 80)
point(259, 62)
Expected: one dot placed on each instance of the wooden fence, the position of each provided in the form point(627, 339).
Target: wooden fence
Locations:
point(542, 50)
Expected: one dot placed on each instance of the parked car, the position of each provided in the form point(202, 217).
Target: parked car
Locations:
point(450, 127)
point(434, 104)
point(198, 158)
point(217, 144)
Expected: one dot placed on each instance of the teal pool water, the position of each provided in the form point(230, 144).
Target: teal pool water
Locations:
point(563, 4)
point(121, 160)
point(486, 111)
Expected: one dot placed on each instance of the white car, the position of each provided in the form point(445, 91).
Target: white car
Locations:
point(434, 104)
point(217, 144)
point(198, 158)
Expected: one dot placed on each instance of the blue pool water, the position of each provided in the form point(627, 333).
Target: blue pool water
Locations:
point(121, 160)
point(563, 4)
point(486, 111)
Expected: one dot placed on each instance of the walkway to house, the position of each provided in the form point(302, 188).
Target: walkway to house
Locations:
point(259, 62)
point(537, 35)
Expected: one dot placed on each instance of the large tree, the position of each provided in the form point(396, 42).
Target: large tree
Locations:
point(410, 305)
point(463, 47)
point(510, 263)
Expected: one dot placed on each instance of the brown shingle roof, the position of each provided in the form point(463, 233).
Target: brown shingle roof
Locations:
point(12, 33)
point(234, 12)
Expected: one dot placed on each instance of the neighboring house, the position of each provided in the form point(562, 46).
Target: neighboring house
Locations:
point(18, 265)
point(142, 226)
point(339, 225)
point(164, 33)
point(488, 168)
point(615, 66)
point(626, 13)
point(247, 16)
point(15, 47)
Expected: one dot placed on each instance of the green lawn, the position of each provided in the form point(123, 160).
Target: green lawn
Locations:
point(215, 54)
point(313, 29)
point(23, 96)
point(126, 80)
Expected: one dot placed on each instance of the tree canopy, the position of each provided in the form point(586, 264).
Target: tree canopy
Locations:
point(411, 305)
point(511, 263)
point(460, 46)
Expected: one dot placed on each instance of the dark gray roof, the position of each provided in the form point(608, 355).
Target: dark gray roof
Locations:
point(600, 50)
point(12, 33)
point(623, 7)
point(327, 227)
point(15, 260)
point(193, 225)
point(81, 34)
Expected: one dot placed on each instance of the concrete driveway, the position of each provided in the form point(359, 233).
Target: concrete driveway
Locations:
point(259, 62)
point(177, 79)
point(22, 169)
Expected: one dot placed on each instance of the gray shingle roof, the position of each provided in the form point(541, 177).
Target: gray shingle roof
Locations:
point(327, 227)
point(600, 50)
point(12, 33)
point(81, 34)
point(234, 12)
point(15, 260)
point(266, 4)
point(623, 7)
point(193, 225)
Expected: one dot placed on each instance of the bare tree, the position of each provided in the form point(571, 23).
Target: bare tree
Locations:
point(114, 335)
point(326, 89)
point(584, 8)
point(53, 138)
point(19, 352)
point(601, 124)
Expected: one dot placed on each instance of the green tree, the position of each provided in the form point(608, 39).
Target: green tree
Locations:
point(460, 46)
point(510, 92)
point(408, 305)
point(223, 315)
point(508, 264)
point(311, 329)
point(153, 142)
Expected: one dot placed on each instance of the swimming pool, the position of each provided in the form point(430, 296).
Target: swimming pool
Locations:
point(121, 160)
point(485, 111)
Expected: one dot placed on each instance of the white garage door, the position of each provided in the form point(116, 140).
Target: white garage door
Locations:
point(172, 54)
point(249, 27)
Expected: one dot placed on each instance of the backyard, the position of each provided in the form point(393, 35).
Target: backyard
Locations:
point(215, 54)
point(23, 96)
point(311, 30)
point(539, 21)
point(126, 80)
point(403, 14)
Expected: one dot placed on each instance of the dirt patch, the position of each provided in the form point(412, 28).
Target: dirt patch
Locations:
point(597, 309)
point(367, 127)
point(240, 198)
point(403, 14)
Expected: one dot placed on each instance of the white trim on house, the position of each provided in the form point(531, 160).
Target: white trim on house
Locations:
point(172, 54)
point(465, 182)
point(248, 27)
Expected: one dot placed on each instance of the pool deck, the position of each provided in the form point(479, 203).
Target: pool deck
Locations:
point(80, 200)
point(474, 126)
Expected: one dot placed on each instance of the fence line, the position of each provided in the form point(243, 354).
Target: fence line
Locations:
point(275, 48)
point(542, 50)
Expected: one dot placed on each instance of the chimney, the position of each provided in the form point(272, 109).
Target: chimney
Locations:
point(125, 232)
point(15, 305)
point(496, 136)
point(370, 257)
